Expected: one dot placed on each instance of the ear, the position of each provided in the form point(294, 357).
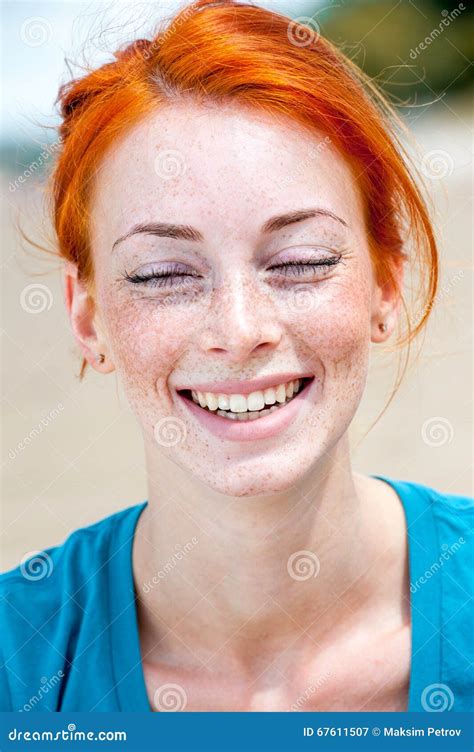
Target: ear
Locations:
point(386, 300)
point(85, 321)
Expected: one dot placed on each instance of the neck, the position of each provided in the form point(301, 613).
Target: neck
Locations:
point(224, 574)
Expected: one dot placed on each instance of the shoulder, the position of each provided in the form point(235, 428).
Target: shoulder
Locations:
point(72, 562)
point(55, 599)
point(440, 527)
point(441, 523)
point(457, 509)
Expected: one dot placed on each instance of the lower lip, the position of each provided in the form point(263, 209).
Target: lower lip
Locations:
point(250, 430)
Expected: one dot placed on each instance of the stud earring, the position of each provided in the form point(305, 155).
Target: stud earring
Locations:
point(383, 326)
point(100, 357)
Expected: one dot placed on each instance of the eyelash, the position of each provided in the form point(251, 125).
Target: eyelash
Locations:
point(157, 280)
point(289, 267)
point(299, 267)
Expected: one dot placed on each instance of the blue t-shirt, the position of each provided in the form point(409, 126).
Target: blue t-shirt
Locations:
point(69, 634)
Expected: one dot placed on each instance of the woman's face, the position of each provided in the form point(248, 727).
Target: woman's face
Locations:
point(257, 268)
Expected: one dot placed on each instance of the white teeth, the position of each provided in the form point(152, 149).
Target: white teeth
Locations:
point(255, 401)
point(212, 401)
point(250, 406)
point(280, 393)
point(238, 403)
point(249, 415)
point(269, 396)
point(227, 414)
point(224, 402)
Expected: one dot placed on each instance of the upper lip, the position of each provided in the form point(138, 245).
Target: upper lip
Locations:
point(234, 386)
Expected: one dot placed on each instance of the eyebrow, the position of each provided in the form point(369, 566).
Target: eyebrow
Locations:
point(186, 232)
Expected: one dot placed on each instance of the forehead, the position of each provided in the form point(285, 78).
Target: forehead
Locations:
point(226, 164)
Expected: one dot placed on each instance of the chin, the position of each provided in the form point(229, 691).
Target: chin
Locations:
point(258, 475)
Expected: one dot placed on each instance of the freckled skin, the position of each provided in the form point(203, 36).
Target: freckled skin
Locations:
point(237, 324)
point(251, 505)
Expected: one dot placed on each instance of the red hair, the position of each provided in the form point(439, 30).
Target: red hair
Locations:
point(225, 51)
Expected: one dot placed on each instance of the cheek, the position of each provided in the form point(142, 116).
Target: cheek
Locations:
point(333, 326)
point(147, 340)
point(334, 343)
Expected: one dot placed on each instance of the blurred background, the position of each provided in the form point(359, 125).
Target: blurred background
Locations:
point(72, 452)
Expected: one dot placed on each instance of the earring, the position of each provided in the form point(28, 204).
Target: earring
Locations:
point(100, 357)
point(383, 326)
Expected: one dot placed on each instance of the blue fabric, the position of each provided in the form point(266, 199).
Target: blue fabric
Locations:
point(69, 635)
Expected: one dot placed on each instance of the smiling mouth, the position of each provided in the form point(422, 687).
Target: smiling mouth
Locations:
point(247, 407)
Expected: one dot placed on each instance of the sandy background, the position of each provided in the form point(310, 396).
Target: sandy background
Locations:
point(72, 452)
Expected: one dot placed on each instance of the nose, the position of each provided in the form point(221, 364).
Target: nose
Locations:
point(241, 321)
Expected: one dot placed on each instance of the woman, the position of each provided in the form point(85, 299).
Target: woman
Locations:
point(235, 214)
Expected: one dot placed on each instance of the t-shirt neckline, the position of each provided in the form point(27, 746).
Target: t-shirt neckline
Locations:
point(425, 606)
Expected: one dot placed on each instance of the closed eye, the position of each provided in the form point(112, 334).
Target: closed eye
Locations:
point(162, 278)
point(298, 268)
